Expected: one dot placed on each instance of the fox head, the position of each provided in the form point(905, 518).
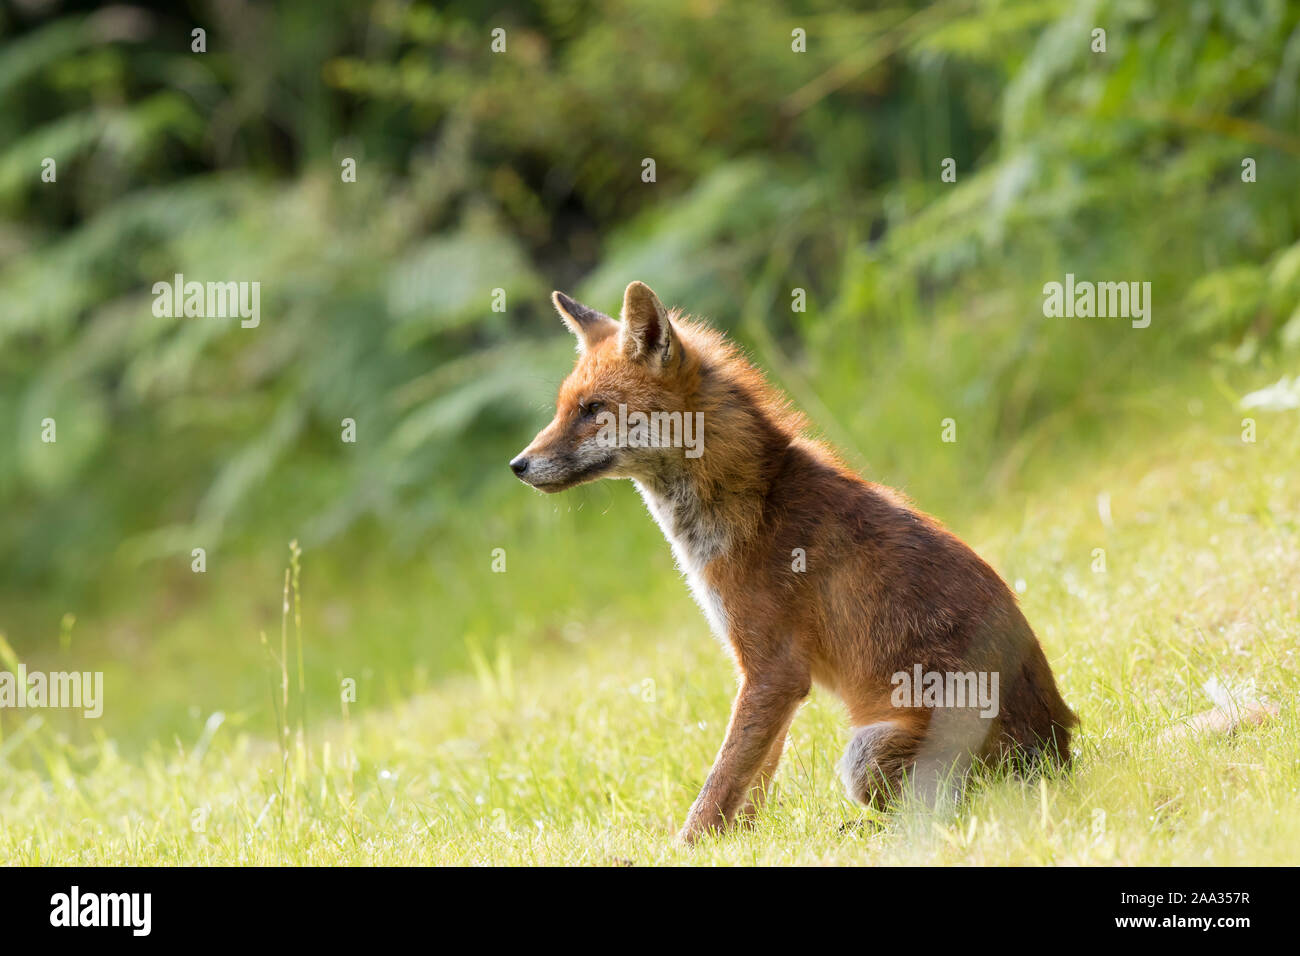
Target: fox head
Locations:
point(632, 371)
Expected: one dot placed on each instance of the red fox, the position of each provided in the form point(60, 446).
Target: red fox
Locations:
point(805, 571)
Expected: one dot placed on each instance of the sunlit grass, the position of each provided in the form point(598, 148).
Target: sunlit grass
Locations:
point(588, 749)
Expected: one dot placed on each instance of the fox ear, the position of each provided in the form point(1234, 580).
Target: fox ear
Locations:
point(586, 323)
point(647, 334)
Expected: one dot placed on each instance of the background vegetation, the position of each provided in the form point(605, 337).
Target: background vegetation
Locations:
point(521, 171)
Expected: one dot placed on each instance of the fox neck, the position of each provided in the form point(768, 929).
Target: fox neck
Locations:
point(713, 506)
point(700, 531)
point(695, 522)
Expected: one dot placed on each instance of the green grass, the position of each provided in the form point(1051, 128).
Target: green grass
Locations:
point(585, 744)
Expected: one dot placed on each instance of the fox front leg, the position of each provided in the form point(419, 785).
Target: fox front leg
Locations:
point(764, 783)
point(759, 717)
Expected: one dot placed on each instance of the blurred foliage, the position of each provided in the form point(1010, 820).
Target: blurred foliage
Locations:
point(521, 171)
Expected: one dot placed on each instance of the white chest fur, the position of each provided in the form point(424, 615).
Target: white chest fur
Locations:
point(696, 541)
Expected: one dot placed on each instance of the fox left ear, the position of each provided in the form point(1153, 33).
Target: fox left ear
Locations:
point(583, 321)
point(647, 334)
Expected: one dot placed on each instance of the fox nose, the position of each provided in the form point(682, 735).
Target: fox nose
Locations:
point(519, 465)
